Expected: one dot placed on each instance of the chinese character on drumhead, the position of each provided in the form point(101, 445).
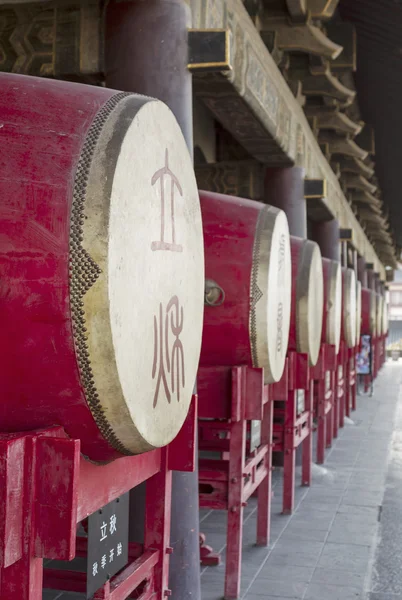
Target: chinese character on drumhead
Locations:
point(111, 555)
point(119, 549)
point(103, 529)
point(103, 561)
point(165, 175)
point(94, 569)
point(168, 351)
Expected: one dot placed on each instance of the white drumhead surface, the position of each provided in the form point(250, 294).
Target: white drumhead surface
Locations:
point(334, 305)
point(309, 301)
point(271, 292)
point(349, 307)
point(358, 310)
point(144, 314)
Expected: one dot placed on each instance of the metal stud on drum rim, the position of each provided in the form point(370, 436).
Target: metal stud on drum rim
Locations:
point(349, 307)
point(309, 301)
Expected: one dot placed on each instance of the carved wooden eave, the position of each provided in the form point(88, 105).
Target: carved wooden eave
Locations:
point(365, 198)
point(254, 103)
point(319, 9)
point(350, 164)
point(322, 9)
point(341, 145)
point(300, 37)
point(334, 120)
point(359, 206)
point(326, 84)
point(357, 182)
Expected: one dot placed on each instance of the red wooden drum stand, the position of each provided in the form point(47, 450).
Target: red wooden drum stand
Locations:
point(246, 325)
point(323, 373)
point(346, 374)
point(293, 396)
point(102, 263)
point(231, 399)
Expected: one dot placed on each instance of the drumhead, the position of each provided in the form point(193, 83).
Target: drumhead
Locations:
point(349, 307)
point(137, 274)
point(334, 305)
point(271, 293)
point(309, 301)
point(358, 310)
point(385, 318)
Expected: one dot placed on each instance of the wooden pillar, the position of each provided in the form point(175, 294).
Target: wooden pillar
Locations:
point(284, 188)
point(326, 234)
point(146, 51)
point(362, 271)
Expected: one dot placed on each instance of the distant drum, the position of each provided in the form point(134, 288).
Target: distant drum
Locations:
point(349, 307)
point(102, 265)
point(332, 318)
point(385, 324)
point(248, 284)
point(380, 316)
point(369, 312)
point(307, 299)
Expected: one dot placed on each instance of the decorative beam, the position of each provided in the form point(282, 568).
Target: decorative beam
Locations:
point(366, 139)
point(244, 179)
point(209, 50)
point(346, 235)
point(315, 188)
point(366, 198)
point(254, 103)
point(52, 40)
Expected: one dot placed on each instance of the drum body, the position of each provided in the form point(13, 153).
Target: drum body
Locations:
point(101, 257)
point(349, 306)
point(307, 299)
point(332, 318)
point(369, 312)
point(247, 259)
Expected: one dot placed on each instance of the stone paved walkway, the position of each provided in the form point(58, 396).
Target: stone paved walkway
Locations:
point(336, 544)
point(344, 540)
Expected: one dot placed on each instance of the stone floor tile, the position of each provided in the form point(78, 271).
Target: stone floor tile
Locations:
point(278, 587)
point(338, 577)
point(348, 557)
point(319, 591)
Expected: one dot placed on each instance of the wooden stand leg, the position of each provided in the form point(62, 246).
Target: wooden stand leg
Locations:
point(307, 443)
point(289, 459)
point(235, 513)
point(330, 415)
point(264, 489)
point(322, 421)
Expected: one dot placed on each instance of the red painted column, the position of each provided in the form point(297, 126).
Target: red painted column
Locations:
point(284, 188)
point(326, 234)
point(146, 51)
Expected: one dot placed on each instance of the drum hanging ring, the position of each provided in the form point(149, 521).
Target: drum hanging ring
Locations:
point(214, 295)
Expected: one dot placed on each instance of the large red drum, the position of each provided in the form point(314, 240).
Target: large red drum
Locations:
point(307, 299)
point(349, 307)
point(332, 319)
point(369, 312)
point(248, 284)
point(102, 267)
